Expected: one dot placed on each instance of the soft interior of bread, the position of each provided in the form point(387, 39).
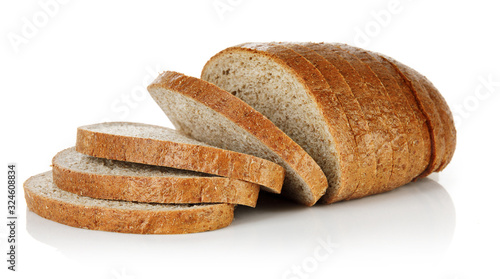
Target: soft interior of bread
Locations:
point(72, 160)
point(204, 124)
point(43, 186)
point(274, 91)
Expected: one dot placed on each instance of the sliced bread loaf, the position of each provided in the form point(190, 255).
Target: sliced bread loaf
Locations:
point(160, 146)
point(116, 180)
point(363, 117)
point(50, 202)
point(207, 113)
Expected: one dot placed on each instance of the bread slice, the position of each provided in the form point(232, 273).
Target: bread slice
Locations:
point(116, 180)
point(50, 202)
point(210, 114)
point(160, 146)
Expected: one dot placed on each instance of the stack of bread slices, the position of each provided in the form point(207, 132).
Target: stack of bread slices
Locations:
point(311, 121)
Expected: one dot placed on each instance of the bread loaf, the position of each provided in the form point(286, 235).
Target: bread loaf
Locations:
point(357, 113)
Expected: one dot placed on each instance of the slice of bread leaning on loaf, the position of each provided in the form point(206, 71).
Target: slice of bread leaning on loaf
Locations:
point(309, 121)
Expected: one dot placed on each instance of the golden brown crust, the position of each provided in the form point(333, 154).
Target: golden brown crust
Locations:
point(428, 108)
point(445, 116)
point(155, 189)
point(348, 66)
point(355, 115)
point(395, 130)
point(405, 135)
point(199, 158)
point(252, 121)
point(175, 221)
point(419, 147)
point(325, 89)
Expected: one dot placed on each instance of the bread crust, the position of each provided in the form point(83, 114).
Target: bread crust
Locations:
point(152, 189)
point(446, 119)
point(398, 112)
point(117, 219)
point(192, 157)
point(396, 134)
point(419, 147)
point(250, 120)
point(445, 116)
point(325, 89)
point(428, 108)
point(381, 149)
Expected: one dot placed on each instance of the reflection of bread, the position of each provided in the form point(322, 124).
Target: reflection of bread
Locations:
point(117, 180)
point(48, 201)
point(371, 123)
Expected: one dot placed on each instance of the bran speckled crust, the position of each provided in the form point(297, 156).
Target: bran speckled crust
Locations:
point(444, 112)
point(420, 148)
point(395, 130)
point(326, 88)
point(157, 147)
point(116, 180)
point(446, 119)
point(224, 104)
point(48, 201)
point(428, 108)
point(398, 118)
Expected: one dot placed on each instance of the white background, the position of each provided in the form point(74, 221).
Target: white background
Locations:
point(84, 62)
